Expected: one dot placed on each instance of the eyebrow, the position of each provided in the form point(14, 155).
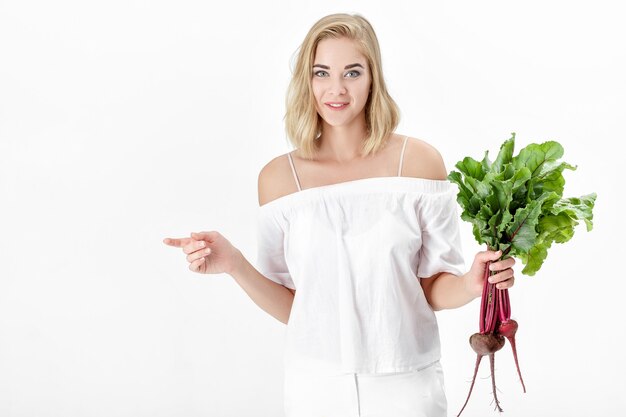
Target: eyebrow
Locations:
point(346, 67)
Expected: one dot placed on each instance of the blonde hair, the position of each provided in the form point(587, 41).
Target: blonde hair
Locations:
point(302, 123)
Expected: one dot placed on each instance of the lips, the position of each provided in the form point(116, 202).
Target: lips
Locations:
point(343, 105)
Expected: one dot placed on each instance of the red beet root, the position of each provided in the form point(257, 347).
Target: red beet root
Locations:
point(485, 344)
point(508, 329)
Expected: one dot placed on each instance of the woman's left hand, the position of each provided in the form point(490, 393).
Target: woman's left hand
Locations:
point(503, 278)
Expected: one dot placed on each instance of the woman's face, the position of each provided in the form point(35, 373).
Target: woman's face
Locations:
point(340, 74)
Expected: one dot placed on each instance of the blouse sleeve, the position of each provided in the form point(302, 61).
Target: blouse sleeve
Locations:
point(441, 249)
point(270, 250)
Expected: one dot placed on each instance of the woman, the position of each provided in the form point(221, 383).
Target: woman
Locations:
point(358, 240)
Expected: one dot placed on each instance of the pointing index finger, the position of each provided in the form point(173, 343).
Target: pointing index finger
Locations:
point(175, 242)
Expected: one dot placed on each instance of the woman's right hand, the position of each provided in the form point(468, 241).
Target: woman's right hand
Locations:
point(207, 252)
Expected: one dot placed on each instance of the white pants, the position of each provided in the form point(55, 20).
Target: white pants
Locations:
point(405, 394)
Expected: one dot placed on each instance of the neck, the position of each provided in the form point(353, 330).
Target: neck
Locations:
point(342, 143)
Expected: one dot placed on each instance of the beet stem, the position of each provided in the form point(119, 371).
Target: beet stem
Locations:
point(478, 359)
point(483, 299)
point(491, 319)
point(501, 306)
point(506, 305)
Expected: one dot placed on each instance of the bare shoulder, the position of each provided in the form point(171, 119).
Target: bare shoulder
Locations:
point(275, 180)
point(423, 160)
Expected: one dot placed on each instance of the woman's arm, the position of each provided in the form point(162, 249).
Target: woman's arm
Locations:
point(272, 297)
point(445, 291)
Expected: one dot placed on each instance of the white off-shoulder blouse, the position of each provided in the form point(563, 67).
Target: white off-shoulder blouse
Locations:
point(354, 252)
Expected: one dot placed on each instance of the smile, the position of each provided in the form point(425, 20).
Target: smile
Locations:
point(337, 106)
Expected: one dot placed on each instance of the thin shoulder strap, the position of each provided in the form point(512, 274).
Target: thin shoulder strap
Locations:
point(293, 169)
point(402, 157)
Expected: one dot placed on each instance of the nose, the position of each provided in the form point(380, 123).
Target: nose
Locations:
point(337, 86)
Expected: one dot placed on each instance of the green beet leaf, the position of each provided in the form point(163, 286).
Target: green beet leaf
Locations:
point(516, 203)
point(505, 155)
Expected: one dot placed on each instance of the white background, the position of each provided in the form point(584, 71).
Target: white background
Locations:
point(125, 122)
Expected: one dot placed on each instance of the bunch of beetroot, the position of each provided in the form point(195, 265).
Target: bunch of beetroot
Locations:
point(495, 325)
point(515, 205)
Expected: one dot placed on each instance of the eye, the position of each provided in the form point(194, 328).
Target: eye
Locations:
point(357, 73)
